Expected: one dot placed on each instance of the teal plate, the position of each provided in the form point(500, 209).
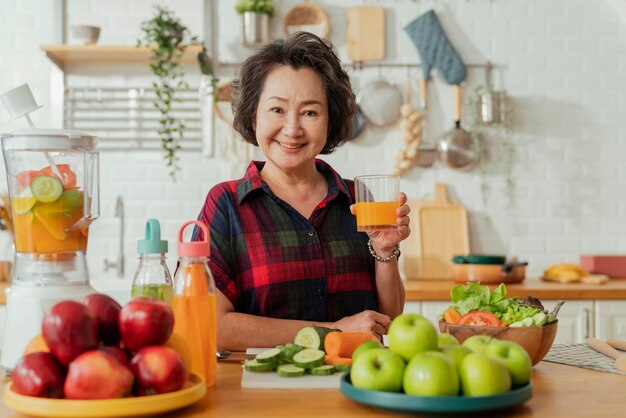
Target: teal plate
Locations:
point(408, 403)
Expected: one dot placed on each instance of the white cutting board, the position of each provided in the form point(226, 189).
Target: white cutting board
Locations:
point(271, 380)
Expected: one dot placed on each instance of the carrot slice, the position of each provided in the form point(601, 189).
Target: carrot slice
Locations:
point(337, 361)
point(451, 316)
point(343, 344)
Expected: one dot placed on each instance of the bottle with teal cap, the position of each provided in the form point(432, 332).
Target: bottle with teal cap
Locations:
point(152, 279)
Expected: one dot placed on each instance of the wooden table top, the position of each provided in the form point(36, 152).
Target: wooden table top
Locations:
point(559, 391)
point(431, 290)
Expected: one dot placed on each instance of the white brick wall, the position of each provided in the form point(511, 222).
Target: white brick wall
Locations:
point(563, 62)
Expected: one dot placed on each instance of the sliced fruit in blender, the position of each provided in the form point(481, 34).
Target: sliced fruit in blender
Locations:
point(23, 205)
point(46, 188)
point(69, 200)
point(25, 178)
point(68, 177)
point(55, 225)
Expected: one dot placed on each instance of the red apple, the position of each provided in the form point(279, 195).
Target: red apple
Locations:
point(158, 369)
point(106, 310)
point(145, 322)
point(69, 329)
point(98, 375)
point(39, 374)
point(116, 352)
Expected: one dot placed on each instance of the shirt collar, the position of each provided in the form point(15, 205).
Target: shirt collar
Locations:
point(252, 180)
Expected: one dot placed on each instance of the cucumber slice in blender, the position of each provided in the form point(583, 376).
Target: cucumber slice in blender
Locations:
point(309, 358)
point(289, 370)
point(46, 189)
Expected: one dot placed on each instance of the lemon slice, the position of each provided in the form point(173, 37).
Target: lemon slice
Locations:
point(46, 189)
point(22, 205)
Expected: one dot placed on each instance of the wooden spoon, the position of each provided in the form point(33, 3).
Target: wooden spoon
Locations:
point(604, 348)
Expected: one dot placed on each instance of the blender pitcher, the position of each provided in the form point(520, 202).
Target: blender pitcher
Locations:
point(53, 188)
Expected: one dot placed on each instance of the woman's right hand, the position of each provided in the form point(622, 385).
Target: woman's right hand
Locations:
point(367, 321)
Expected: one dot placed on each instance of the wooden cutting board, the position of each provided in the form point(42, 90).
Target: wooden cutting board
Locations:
point(271, 380)
point(439, 231)
point(366, 33)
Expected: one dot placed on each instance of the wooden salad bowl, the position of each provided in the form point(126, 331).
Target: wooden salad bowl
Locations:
point(535, 340)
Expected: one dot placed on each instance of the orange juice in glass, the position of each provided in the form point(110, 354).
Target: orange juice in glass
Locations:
point(377, 198)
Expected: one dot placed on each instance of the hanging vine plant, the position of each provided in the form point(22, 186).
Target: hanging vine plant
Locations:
point(169, 37)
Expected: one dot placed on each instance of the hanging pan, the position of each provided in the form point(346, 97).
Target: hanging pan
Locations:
point(358, 123)
point(456, 147)
point(380, 102)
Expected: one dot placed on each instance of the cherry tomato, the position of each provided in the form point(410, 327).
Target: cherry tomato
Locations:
point(479, 319)
point(68, 177)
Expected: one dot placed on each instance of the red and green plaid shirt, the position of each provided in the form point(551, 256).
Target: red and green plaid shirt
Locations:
point(269, 260)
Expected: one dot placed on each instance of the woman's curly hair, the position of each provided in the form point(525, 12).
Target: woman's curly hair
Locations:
point(300, 50)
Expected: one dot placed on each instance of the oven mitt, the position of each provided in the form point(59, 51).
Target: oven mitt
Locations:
point(435, 49)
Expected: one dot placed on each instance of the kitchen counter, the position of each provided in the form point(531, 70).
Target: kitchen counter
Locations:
point(559, 391)
point(424, 290)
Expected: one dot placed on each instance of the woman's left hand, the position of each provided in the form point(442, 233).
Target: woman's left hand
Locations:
point(384, 242)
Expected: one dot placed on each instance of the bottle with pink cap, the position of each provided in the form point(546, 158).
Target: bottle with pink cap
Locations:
point(194, 303)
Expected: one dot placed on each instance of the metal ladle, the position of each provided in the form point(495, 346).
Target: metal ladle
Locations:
point(457, 148)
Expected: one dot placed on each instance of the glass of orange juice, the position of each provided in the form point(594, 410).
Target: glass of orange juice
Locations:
point(377, 198)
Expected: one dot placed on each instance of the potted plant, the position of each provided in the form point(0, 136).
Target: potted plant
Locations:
point(255, 16)
point(169, 37)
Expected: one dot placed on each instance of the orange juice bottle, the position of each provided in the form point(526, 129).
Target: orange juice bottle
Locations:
point(194, 304)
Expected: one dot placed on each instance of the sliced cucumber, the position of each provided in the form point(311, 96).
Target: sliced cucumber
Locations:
point(342, 368)
point(46, 189)
point(312, 337)
point(255, 366)
point(269, 356)
point(323, 370)
point(289, 370)
point(309, 358)
point(288, 351)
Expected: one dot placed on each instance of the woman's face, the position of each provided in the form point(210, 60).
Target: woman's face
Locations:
point(292, 117)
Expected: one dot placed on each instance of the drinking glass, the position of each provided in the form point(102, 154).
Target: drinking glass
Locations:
point(377, 198)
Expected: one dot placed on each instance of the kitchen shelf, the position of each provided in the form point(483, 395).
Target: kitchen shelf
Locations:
point(62, 55)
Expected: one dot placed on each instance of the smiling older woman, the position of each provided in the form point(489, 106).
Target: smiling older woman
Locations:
point(285, 250)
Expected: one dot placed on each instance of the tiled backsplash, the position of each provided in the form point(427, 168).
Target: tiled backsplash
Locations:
point(562, 62)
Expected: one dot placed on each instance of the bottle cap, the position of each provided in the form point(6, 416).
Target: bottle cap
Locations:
point(152, 244)
point(194, 248)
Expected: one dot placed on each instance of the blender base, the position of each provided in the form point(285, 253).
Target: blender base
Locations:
point(26, 307)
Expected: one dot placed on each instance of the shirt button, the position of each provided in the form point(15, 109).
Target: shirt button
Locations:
point(319, 294)
point(311, 233)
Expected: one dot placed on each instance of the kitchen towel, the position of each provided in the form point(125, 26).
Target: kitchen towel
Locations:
point(435, 49)
point(581, 355)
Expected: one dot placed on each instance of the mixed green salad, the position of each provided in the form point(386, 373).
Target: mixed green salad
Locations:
point(475, 304)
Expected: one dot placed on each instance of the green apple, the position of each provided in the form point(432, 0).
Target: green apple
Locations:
point(483, 375)
point(477, 343)
point(514, 357)
point(456, 353)
point(446, 339)
point(366, 346)
point(410, 334)
point(378, 369)
point(431, 373)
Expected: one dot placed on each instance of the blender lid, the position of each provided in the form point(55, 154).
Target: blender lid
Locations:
point(47, 139)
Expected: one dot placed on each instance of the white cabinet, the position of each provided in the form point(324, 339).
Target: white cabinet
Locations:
point(433, 310)
point(575, 320)
point(610, 319)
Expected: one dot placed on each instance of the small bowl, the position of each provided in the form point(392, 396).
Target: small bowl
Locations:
point(85, 35)
point(535, 340)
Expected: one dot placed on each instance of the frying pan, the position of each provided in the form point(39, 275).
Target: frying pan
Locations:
point(456, 147)
point(358, 123)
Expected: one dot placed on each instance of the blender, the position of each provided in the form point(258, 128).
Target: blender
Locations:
point(52, 177)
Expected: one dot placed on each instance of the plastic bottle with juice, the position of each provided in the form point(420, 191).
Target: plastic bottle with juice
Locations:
point(194, 303)
point(152, 278)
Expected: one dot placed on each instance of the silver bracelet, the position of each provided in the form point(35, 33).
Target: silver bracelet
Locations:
point(394, 255)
